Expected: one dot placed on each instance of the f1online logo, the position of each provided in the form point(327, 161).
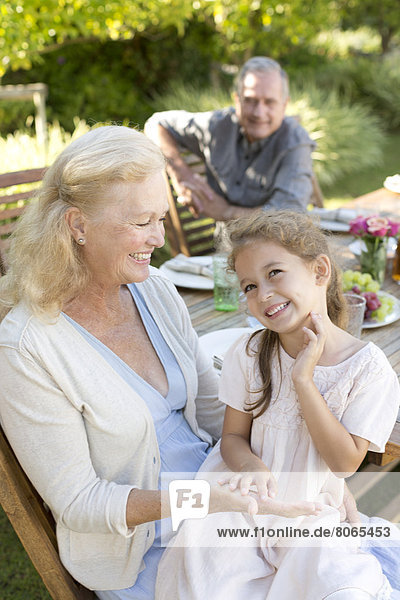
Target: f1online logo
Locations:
point(189, 499)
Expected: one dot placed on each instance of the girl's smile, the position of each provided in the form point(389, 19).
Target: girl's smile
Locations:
point(276, 310)
point(281, 288)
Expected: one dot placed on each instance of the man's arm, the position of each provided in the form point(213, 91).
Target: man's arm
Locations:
point(192, 189)
point(189, 187)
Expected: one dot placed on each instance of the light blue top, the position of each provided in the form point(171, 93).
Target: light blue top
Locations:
point(181, 450)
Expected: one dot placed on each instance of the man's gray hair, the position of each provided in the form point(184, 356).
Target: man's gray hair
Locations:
point(262, 64)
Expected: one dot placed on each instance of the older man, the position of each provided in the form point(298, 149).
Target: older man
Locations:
point(254, 155)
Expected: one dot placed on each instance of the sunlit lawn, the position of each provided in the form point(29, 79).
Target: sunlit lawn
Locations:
point(363, 182)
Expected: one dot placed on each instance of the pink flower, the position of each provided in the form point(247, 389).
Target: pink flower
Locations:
point(358, 226)
point(378, 226)
point(375, 226)
point(394, 228)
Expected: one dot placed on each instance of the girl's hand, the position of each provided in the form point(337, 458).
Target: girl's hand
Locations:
point(263, 480)
point(224, 500)
point(313, 346)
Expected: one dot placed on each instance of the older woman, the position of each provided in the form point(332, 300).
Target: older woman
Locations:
point(103, 381)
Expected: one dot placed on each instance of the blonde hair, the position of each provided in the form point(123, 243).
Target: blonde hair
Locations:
point(297, 233)
point(45, 263)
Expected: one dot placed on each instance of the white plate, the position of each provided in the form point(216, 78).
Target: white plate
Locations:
point(189, 280)
point(390, 318)
point(218, 342)
point(392, 183)
point(358, 245)
point(337, 226)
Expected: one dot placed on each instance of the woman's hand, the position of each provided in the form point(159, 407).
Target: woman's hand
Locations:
point(309, 355)
point(263, 481)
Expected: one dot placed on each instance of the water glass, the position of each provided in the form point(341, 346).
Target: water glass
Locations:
point(226, 285)
point(356, 310)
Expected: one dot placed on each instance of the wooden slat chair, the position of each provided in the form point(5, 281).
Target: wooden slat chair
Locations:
point(194, 236)
point(35, 527)
point(13, 205)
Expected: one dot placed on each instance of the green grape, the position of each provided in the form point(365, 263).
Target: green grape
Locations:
point(364, 279)
point(372, 286)
point(379, 314)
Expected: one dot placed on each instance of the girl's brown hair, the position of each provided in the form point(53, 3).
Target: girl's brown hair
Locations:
point(298, 234)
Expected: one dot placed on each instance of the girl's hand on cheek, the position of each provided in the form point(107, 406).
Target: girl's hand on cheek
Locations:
point(308, 357)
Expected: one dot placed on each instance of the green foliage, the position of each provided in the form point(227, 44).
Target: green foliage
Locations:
point(31, 26)
point(191, 98)
point(337, 44)
point(111, 80)
point(240, 28)
point(383, 16)
point(348, 136)
point(22, 151)
point(372, 81)
point(364, 180)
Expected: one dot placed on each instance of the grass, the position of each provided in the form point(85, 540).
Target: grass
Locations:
point(18, 579)
point(366, 180)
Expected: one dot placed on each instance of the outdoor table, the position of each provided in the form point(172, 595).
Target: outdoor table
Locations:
point(206, 319)
point(379, 201)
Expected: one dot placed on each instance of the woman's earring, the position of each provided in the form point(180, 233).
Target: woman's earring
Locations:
point(81, 241)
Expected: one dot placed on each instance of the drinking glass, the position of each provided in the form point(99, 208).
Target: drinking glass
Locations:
point(226, 285)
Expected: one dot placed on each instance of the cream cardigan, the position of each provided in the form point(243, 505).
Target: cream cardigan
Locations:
point(85, 438)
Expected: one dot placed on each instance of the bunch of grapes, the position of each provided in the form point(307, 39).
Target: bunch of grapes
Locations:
point(362, 281)
point(378, 306)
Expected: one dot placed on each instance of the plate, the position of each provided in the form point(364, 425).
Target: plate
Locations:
point(336, 226)
point(358, 245)
point(336, 219)
point(218, 342)
point(392, 183)
point(390, 318)
point(189, 280)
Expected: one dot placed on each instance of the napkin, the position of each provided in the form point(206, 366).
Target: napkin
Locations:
point(187, 265)
point(343, 215)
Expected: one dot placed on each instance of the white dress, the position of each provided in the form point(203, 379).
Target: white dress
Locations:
point(363, 393)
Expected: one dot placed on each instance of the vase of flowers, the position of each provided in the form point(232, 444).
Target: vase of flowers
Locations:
point(374, 232)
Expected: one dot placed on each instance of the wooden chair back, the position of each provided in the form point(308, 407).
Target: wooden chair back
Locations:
point(189, 235)
point(35, 527)
point(13, 205)
point(194, 236)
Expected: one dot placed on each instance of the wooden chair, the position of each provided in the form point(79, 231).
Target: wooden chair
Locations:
point(194, 236)
point(13, 205)
point(35, 527)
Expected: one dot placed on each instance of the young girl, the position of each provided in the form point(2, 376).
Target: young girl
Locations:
point(305, 401)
